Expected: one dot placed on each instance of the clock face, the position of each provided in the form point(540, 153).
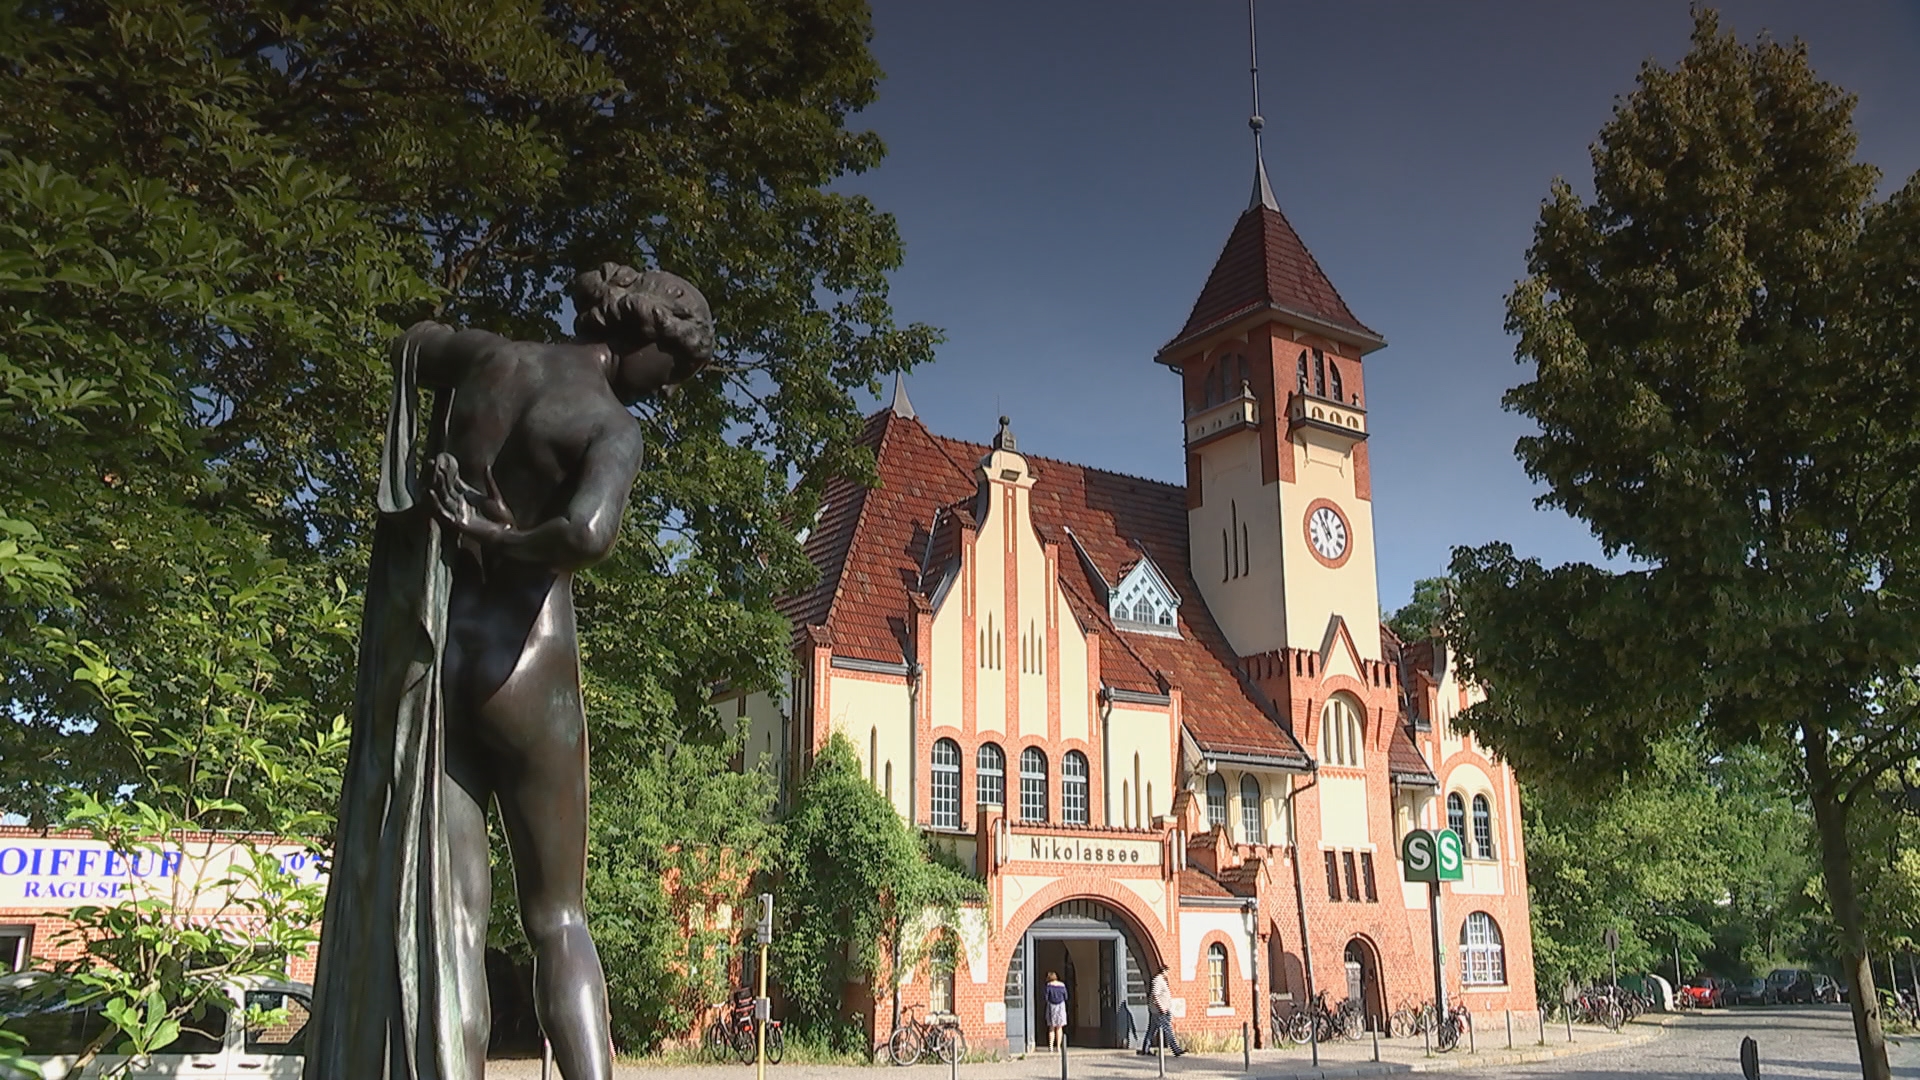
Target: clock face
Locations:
point(1327, 531)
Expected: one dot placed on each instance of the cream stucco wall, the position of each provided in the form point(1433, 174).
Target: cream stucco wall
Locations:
point(1026, 653)
point(1248, 606)
point(1195, 925)
point(1343, 811)
point(872, 713)
point(1076, 703)
point(944, 679)
point(1324, 469)
point(1139, 737)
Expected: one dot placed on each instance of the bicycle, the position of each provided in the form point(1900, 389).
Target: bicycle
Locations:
point(915, 1036)
point(1410, 1020)
point(1294, 1025)
point(746, 1045)
point(1447, 1033)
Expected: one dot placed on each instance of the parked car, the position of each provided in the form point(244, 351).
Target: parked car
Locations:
point(1789, 986)
point(57, 1031)
point(1751, 992)
point(1704, 992)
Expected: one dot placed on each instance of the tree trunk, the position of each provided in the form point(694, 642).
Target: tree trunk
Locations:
point(1836, 861)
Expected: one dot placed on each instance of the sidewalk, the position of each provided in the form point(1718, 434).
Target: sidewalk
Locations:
point(1337, 1060)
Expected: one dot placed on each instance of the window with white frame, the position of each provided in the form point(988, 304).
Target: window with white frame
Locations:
point(1073, 788)
point(1340, 742)
point(1216, 801)
point(1483, 960)
point(990, 775)
point(946, 784)
point(1457, 814)
point(1253, 822)
point(1143, 598)
point(1216, 974)
point(1033, 784)
point(1482, 828)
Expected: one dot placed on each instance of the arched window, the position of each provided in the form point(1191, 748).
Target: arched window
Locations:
point(1340, 742)
point(1335, 379)
point(1216, 801)
point(990, 775)
point(1033, 784)
point(946, 784)
point(1483, 960)
point(1456, 813)
point(1216, 974)
point(1253, 822)
point(1482, 828)
point(1319, 373)
point(1073, 788)
point(1303, 371)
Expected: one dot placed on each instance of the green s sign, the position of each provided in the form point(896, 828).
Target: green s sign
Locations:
point(1431, 856)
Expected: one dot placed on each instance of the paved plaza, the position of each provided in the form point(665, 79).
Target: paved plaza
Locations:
point(1813, 1042)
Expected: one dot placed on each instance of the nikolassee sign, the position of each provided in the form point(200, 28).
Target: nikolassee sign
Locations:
point(1027, 847)
point(1427, 855)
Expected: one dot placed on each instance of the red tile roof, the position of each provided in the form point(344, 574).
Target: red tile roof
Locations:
point(1265, 265)
point(1404, 763)
point(874, 547)
point(1196, 882)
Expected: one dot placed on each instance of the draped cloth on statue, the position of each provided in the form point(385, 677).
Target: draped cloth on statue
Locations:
point(387, 1000)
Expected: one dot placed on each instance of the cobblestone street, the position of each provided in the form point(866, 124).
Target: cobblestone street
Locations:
point(1804, 1042)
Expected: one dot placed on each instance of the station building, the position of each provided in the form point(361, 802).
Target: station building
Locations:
point(1163, 724)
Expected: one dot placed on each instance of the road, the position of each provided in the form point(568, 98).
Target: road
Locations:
point(1809, 1043)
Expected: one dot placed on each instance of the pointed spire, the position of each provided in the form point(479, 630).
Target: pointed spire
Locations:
point(1262, 190)
point(901, 407)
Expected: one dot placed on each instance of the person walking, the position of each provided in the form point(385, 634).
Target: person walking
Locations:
point(1160, 1014)
point(1056, 992)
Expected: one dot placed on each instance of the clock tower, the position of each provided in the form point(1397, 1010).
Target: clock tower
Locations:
point(1279, 499)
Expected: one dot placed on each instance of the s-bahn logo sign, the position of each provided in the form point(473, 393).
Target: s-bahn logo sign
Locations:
point(1431, 856)
point(1026, 847)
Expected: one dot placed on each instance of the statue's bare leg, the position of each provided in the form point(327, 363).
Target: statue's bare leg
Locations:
point(463, 809)
point(536, 735)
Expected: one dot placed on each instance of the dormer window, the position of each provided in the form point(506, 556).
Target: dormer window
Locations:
point(1144, 601)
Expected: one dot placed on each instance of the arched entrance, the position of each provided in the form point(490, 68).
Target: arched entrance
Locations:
point(1097, 953)
point(1363, 982)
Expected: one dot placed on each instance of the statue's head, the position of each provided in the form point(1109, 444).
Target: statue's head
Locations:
point(630, 310)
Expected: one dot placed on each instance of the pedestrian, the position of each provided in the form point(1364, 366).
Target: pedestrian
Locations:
point(1056, 1007)
point(1160, 1014)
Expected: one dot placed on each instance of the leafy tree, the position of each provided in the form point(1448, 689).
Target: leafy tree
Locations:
point(855, 882)
point(216, 214)
point(1424, 613)
point(1724, 384)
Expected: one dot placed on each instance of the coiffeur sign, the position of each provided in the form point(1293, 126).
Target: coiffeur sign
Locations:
point(60, 872)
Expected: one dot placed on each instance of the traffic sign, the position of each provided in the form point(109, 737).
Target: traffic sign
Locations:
point(1431, 856)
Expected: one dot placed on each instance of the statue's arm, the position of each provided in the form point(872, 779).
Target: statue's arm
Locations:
point(445, 354)
point(582, 534)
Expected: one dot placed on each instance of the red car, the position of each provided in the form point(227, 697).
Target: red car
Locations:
point(1705, 992)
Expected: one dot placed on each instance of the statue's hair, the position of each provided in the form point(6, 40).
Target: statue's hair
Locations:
point(651, 307)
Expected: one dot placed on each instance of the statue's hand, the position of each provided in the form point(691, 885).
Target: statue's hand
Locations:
point(481, 515)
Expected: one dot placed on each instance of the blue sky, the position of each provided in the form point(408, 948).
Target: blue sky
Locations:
point(1064, 175)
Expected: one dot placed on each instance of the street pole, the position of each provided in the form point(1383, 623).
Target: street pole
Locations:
point(762, 1012)
point(1439, 966)
point(1300, 905)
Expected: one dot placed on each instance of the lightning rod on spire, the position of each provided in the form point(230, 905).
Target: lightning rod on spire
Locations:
point(1262, 190)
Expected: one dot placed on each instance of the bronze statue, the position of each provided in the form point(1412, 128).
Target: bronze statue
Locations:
point(469, 682)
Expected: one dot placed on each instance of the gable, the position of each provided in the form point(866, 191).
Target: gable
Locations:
point(1144, 599)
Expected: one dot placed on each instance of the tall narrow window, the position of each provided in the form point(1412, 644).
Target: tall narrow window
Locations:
point(946, 784)
point(1126, 807)
point(1334, 377)
point(1138, 821)
point(1333, 875)
point(1320, 373)
point(1246, 554)
point(1482, 828)
point(1253, 824)
point(1366, 876)
point(1216, 802)
point(1457, 814)
point(1303, 371)
point(1233, 528)
point(1226, 559)
point(1033, 784)
point(1353, 876)
point(990, 775)
point(889, 781)
point(1216, 974)
point(1073, 788)
point(1483, 959)
point(873, 756)
point(1340, 733)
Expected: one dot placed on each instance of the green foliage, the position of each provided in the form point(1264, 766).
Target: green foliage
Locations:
point(1425, 613)
point(854, 881)
point(215, 216)
point(1696, 847)
point(1725, 398)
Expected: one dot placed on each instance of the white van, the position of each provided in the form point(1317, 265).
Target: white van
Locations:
point(217, 1044)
